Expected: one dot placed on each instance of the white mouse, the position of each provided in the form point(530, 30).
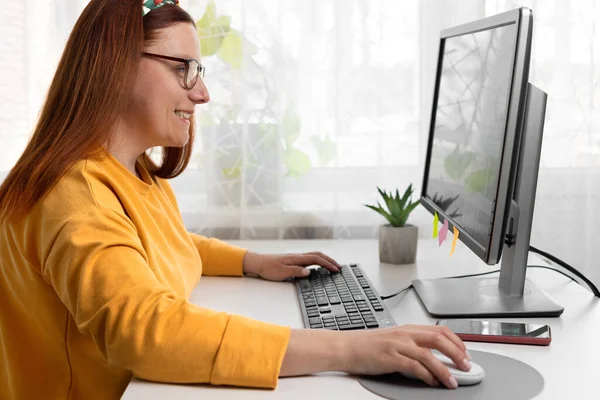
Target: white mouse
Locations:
point(463, 378)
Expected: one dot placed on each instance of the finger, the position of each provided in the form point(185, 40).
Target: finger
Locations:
point(415, 368)
point(310, 259)
point(438, 341)
point(451, 336)
point(425, 358)
point(455, 339)
point(325, 256)
point(299, 272)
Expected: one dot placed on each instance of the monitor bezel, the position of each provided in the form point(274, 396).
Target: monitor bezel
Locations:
point(522, 18)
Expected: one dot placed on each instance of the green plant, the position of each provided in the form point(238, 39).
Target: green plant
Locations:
point(217, 37)
point(398, 208)
point(281, 128)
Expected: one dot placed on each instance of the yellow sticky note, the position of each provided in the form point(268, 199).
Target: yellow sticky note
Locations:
point(436, 220)
point(454, 240)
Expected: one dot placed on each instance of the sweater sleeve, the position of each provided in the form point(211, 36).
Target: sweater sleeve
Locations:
point(97, 266)
point(218, 258)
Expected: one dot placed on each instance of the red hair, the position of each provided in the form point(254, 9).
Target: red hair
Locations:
point(91, 85)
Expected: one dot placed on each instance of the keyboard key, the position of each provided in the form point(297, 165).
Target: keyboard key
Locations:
point(322, 300)
point(347, 299)
point(351, 327)
point(325, 310)
point(314, 320)
point(305, 286)
point(372, 324)
point(334, 300)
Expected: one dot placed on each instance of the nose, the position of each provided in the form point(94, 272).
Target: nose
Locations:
point(199, 93)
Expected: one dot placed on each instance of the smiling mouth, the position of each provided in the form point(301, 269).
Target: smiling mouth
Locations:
point(184, 117)
point(183, 114)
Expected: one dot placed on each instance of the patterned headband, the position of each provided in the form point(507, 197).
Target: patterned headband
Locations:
point(149, 5)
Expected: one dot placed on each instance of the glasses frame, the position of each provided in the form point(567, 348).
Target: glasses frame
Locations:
point(201, 68)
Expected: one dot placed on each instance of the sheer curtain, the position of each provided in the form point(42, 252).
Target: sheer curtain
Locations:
point(315, 103)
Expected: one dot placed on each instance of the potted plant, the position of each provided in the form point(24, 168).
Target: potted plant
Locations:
point(397, 240)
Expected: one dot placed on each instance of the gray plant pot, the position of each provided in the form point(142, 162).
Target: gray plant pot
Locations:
point(398, 245)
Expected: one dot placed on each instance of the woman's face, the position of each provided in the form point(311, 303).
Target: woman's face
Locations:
point(160, 107)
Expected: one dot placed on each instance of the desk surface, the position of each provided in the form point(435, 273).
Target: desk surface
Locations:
point(569, 365)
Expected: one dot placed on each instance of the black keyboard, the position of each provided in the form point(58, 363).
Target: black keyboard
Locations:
point(342, 300)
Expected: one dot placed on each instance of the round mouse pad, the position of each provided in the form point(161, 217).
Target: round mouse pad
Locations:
point(505, 378)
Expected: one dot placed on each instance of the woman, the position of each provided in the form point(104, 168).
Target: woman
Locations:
point(96, 265)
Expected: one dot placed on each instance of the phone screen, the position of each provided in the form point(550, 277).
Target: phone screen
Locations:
point(496, 328)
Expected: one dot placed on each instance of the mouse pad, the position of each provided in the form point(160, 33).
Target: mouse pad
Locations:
point(505, 378)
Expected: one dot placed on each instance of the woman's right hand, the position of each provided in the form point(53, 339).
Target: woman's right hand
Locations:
point(404, 349)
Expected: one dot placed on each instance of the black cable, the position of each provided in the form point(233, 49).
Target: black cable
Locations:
point(555, 270)
point(397, 293)
point(529, 266)
point(567, 267)
point(481, 274)
point(470, 275)
point(448, 277)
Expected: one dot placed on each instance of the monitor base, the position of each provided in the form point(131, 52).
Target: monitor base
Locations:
point(482, 297)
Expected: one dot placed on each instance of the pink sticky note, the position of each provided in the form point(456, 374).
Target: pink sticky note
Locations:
point(443, 232)
point(454, 240)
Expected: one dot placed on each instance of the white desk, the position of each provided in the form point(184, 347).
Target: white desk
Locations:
point(569, 365)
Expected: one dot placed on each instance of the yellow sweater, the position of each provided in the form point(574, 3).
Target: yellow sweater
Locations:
point(94, 288)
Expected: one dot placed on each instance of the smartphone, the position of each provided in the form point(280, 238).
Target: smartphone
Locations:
point(499, 332)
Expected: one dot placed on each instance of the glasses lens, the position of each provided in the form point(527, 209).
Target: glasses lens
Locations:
point(192, 74)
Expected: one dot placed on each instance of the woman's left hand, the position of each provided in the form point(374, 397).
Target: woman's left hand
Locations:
point(279, 267)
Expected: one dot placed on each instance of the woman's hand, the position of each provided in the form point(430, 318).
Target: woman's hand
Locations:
point(279, 267)
point(377, 351)
point(406, 349)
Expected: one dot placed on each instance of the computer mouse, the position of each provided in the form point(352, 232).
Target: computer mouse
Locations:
point(464, 378)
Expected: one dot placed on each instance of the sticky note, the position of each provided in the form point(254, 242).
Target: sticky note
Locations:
point(436, 221)
point(443, 233)
point(454, 240)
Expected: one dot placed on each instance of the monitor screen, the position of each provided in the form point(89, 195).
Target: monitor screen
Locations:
point(470, 122)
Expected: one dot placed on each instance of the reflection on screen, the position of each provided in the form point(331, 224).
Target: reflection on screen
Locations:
point(495, 328)
point(470, 120)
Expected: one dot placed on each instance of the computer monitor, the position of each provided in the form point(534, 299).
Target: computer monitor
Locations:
point(482, 165)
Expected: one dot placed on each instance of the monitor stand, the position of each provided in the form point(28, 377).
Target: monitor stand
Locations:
point(482, 298)
point(510, 295)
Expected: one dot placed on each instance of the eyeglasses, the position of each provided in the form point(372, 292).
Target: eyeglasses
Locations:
point(192, 70)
